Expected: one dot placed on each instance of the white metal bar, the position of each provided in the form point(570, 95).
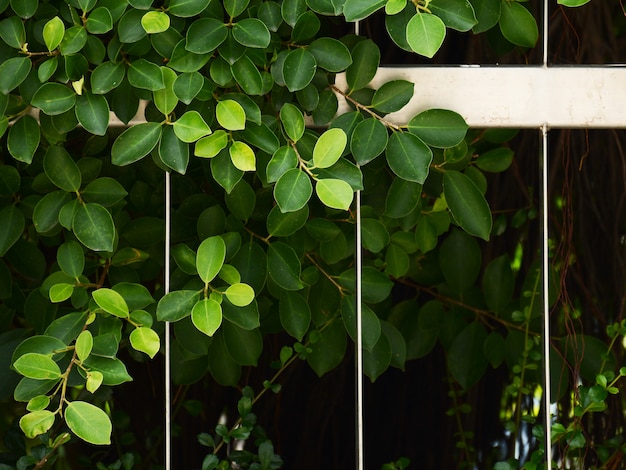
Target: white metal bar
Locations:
point(168, 389)
point(359, 340)
point(517, 97)
point(545, 271)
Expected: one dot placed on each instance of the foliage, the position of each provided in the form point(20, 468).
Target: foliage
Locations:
point(238, 101)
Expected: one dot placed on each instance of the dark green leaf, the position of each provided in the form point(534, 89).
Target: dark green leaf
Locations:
point(246, 317)
point(409, 157)
point(54, 98)
point(260, 136)
point(12, 223)
point(46, 212)
point(392, 96)
point(13, 72)
point(330, 54)
point(73, 41)
point(371, 329)
point(241, 201)
point(402, 198)
point(146, 75)
point(244, 346)
point(329, 350)
point(284, 266)
point(355, 10)
point(105, 191)
point(460, 260)
point(365, 61)
point(251, 32)
point(518, 24)
point(293, 190)
point(455, 15)
point(295, 314)
point(61, 169)
point(107, 76)
point(369, 139)
point(12, 32)
point(285, 158)
point(23, 138)
point(173, 152)
point(487, 14)
point(176, 305)
point(188, 85)
point(247, 75)
point(498, 284)
point(281, 224)
point(299, 69)
point(439, 127)
point(205, 35)
point(135, 143)
point(496, 160)
point(466, 360)
point(99, 21)
point(467, 204)
point(187, 8)
point(94, 227)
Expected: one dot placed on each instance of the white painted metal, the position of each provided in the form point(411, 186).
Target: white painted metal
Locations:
point(360, 419)
point(168, 381)
point(517, 97)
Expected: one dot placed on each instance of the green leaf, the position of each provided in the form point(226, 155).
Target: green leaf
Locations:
point(409, 157)
point(240, 294)
point(12, 222)
point(251, 32)
point(292, 121)
point(135, 143)
point(355, 10)
point(293, 190)
point(176, 305)
point(518, 25)
point(280, 224)
point(299, 69)
point(61, 169)
point(230, 115)
point(145, 340)
point(210, 146)
point(377, 361)
point(46, 213)
point(53, 32)
point(487, 14)
point(13, 72)
point(145, 75)
point(187, 8)
point(84, 345)
point(92, 112)
point(224, 172)
point(73, 41)
point(284, 266)
point(93, 226)
point(496, 160)
point(467, 204)
point(439, 127)
point(365, 61)
point(60, 292)
point(54, 98)
point(329, 148)
point(24, 8)
point(371, 327)
point(392, 96)
point(165, 99)
point(425, 33)
point(191, 127)
point(205, 35)
point(244, 346)
point(37, 366)
point(88, 422)
point(368, 140)
point(71, 258)
point(334, 193)
point(260, 136)
point(295, 314)
point(36, 423)
point(241, 201)
point(247, 76)
point(155, 22)
point(23, 138)
point(135, 295)
point(12, 32)
point(188, 85)
point(105, 191)
point(173, 152)
point(210, 258)
point(285, 158)
point(456, 15)
point(94, 380)
point(374, 235)
point(329, 350)
point(206, 316)
point(106, 77)
point(111, 302)
point(466, 360)
point(247, 317)
point(498, 284)
point(99, 21)
point(330, 54)
point(460, 261)
point(572, 3)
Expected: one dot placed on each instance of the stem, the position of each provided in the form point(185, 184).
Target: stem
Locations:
point(365, 108)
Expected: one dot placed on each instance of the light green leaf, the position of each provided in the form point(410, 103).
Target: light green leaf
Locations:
point(165, 99)
point(329, 147)
point(467, 204)
point(145, 340)
point(94, 380)
point(61, 169)
point(210, 146)
point(191, 127)
point(409, 157)
point(93, 226)
point(334, 193)
point(37, 366)
point(84, 345)
point(230, 115)
point(155, 22)
point(293, 190)
point(425, 33)
point(135, 143)
point(210, 258)
point(88, 422)
point(573, 3)
point(439, 127)
point(53, 32)
point(60, 292)
point(206, 316)
point(240, 294)
point(54, 98)
point(111, 302)
point(36, 423)
point(242, 156)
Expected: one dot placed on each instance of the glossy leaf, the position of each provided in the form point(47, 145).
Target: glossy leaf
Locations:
point(23, 139)
point(210, 258)
point(145, 340)
point(155, 22)
point(71, 258)
point(165, 99)
point(88, 422)
point(36, 423)
point(92, 112)
point(298, 69)
point(37, 366)
point(242, 156)
point(251, 32)
point(206, 316)
point(46, 212)
point(93, 226)
point(225, 172)
point(329, 147)
point(111, 302)
point(328, 352)
point(205, 35)
point(145, 75)
point(365, 61)
point(188, 85)
point(12, 222)
point(61, 169)
point(408, 157)
point(355, 10)
point(247, 76)
point(487, 14)
point(293, 121)
point(191, 127)
point(518, 24)
point(467, 204)
point(334, 193)
point(105, 191)
point(392, 96)
point(135, 143)
point(293, 190)
point(187, 8)
point(244, 346)
point(54, 98)
point(13, 72)
point(12, 32)
point(455, 15)
point(211, 145)
point(99, 21)
point(295, 314)
point(230, 115)
point(282, 224)
point(284, 159)
point(425, 34)
point(239, 294)
point(368, 140)
point(371, 328)
point(330, 54)
point(284, 266)
point(176, 305)
point(84, 344)
point(439, 127)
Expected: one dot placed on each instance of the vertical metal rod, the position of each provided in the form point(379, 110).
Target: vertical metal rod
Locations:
point(359, 339)
point(545, 270)
point(168, 391)
point(546, 18)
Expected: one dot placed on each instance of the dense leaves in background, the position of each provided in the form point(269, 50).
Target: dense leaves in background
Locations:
point(238, 101)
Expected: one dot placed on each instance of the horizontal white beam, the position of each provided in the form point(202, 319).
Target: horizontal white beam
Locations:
point(517, 97)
